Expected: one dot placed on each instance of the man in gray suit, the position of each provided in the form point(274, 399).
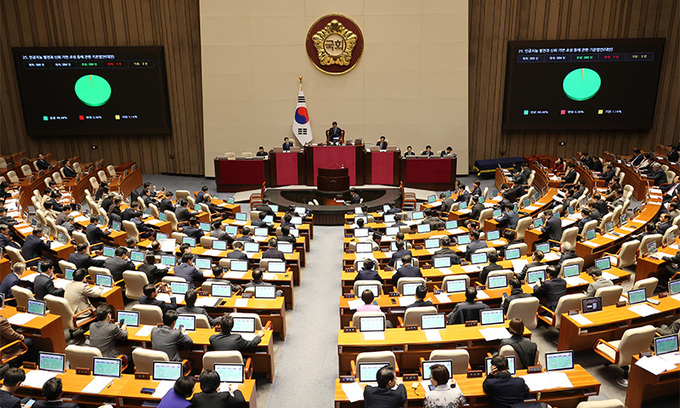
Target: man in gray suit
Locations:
point(103, 333)
point(169, 340)
point(226, 341)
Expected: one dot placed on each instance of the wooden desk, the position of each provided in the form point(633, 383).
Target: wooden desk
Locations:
point(648, 266)
point(230, 209)
point(47, 331)
point(409, 346)
point(125, 391)
point(610, 323)
point(5, 268)
point(643, 385)
point(584, 384)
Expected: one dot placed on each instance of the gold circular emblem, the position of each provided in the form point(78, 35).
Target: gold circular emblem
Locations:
point(334, 44)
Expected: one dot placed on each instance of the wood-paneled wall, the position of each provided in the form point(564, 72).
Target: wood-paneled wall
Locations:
point(495, 22)
point(173, 24)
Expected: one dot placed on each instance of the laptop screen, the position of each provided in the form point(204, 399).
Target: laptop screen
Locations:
point(51, 362)
point(386, 207)
point(61, 237)
point(427, 366)
point(591, 304)
point(274, 207)
point(230, 200)
point(104, 280)
point(651, 247)
point(230, 373)
point(418, 215)
point(109, 252)
point(36, 307)
point(168, 260)
point(674, 287)
point(300, 210)
point(456, 285)
point(609, 227)
point(115, 225)
point(493, 235)
point(268, 219)
point(238, 265)
point(129, 318)
point(423, 228)
point(166, 370)
point(372, 324)
point(590, 234)
point(285, 247)
point(543, 247)
point(433, 321)
point(189, 241)
point(231, 230)
point(478, 258)
point(361, 233)
point(512, 253)
point(637, 296)
point(462, 206)
point(409, 289)
point(186, 320)
point(431, 243)
point(137, 256)
point(261, 232)
point(203, 263)
point(295, 232)
point(251, 247)
point(538, 222)
point(373, 288)
point(534, 276)
point(666, 344)
point(197, 207)
point(511, 365)
point(571, 270)
point(364, 247)
point(276, 267)
point(561, 360)
point(163, 217)
point(241, 216)
point(265, 292)
point(107, 367)
point(357, 210)
point(442, 262)
point(463, 239)
point(491, 316)
point(497, 213)
point(160, 236)
point(220, 290)
point(244, 325)
point(179, 287)
point(219, 245)
point(451, 225)
point(368, 372)
point(603, 263)
point(497, 281)
point(68, 273)
point(391, 231)
point(205, 227)
point(432, 198)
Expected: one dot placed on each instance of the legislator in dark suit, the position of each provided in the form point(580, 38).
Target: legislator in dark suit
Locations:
point(153, 273)
point(146, 300)
point(6, 241)
point(406, 271)
point(234, 341)
point(508, 219)
point(7, 283)
point(218, 400)
point(493, 266)
point(84, 260)
point(169, 340)
point(265, 209)
point(117, 265)
point(7, 400)
point(33, 247)
point(466, 311)
point(335, 134)
point(447, 253)
point(94, 234)
point(505, 390)
point(237, 254)
point(103, 335)
point(166, 205)
point(382, 397)
point(188, 272)
point(183, 214)
point(570, 177)
point(44, 285)
point(367, 274)
point(659, 177)
point(473, 246)
point(398, 255)
point(69, 172)
point(553, 229)
point(7, 336)
point(273, 253)
point(552, 290)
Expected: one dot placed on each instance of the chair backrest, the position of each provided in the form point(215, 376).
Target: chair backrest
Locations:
point(22, 295)
point(191, 201)
point(412, 314)
point(63, 230)
point(402, 281)
point(376, 357)
point(459, 357)
point(26, 170)
point(610, 294)
point(455, 277)
point(206, 241)
point(65, 264)
point(80, 238)
point(670, 235)
point(523, 248)
point(488, 250)
point(56, 176)
point(169, 279)
point(182, 194)
point(14, 255)
point(573, 261)
point(247, 155)
point(148, 314)
point(134, 284)
point(96, 270)
point(52, 226)
point(525, 309)
point(520, 204)
point(646, 240)
point(588, 226)
point(131, 230)
point(366, 282)
point(628, 253)
point(565, 304)
point(610, 403)
point(608, 217)
point(61, 307)
point(144, 358)
point(221, 357)
point(510, 274)
point(154, 210)
point(230, 155)
point(570, 235)
point(102, 176)
point(634, 341)
point(522, 226)
point(358, 315)
point(142, 204)
point(649, 284)
point(12, 176)
point(94, 183)
point(172, 219)
point(81, 356)
point(77, 168)
point(258, 320)
point(508, 351)
point(111, 170)
point(202, 321)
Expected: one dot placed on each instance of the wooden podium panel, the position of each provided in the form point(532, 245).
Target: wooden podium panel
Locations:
point(333, 179)
point(321, 157)
point(286, 168)
point(382, 167)
point(435, 173)
point(240, 174)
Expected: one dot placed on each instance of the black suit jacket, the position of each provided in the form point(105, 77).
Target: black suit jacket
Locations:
point(236, 254)
point(659, 177)
point(117, 266)
point(53, 404)
point(570, 177)
point(378, 397)
point(406, 271)
point(7, 400)
point(274, 253)
point(42, 164)
point(553, 290)
point(553, 229)
point(485, 271)
point(398, 255)
point(166, 205)
point(33, 247)
point(7, 241)
point(153, 273)
point(218, 400)
point(169, 340)
point(69, 172)
point(447, 252)
point(334, 134)
point(226, 342)
point(129, 214)
point(466, 311)
point(473, 246)
point(367, 274)
point(94, 234)
point(145, 300)
point(505, 390)
point(43, 285)
point(84, 261)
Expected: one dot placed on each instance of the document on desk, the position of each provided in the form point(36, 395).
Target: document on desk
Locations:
point(673, 358)
point(611, 236)
point(248, 336)
point(482, 295)
point(465, 211)
point(60, 283)
point(445, 271)
point(162, 389)
point(153, 221)
point(56, 245)
point(166, 298)
point(627, 229)
point(241, 302)
point(354, 304)
point(208, 301)
point(21, 319)
point(575, 281)
point(82, 218)
point(456, 231)
point(590, 244)
point(518, 265)
point(551, 256)
point(406, 300)
point(211, 253)
point(30, 277)
point(498, 242)
point(353, 391)
point(546, 381)
point(433, 335)
point(37, 378)
point(609, 276)
point(97, 385)
point(643, 310)
point(495, 333)
point(655, 364)
point(443, 298)
point(581, 319)
point(471, 268)
point(676, 297)
point(234, 275)
point(145, 330)
point(368, 336)
point(431, 251)
point(531, 208)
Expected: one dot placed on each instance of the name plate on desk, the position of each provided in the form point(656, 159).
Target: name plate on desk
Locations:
point(534, 369)
point(246, 295)
point(574, 312)
point(83, 371)
point(427, 266)
point(438, 291)
point(348, 296)
point(474, 373)
point(350, 329)
point(411, 327)
point(349, 270)
point(663, 295)
point(410, 377)
point(394, 294)
point(647, 353)
point(142, 376)
point(622, 303)
point(471, 323)
point(348, 379)
point(30, 366)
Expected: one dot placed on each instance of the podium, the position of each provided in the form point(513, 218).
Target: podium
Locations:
point(333, 179)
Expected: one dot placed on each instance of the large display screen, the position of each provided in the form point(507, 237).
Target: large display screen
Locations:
point(94, 90)
point(582, 84)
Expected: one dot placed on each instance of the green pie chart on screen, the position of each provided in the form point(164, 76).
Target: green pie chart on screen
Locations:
point(581, 84)
point(93, 90)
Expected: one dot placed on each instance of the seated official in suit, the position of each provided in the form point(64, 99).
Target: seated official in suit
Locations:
point(567, 252)
point(94, 234)
point(432, 219)
point(335, 135)
point(218, 277)
point(608, 174)
point(119, 263)
point(178, 396)
point(265, 208)
point(468, 310)
point(183, 213)
point(237, 253)
point(399, 253)
point(525, 348)
point(285, 235)
point(69, 171)
point(475, 244)
point(9, 335)
point(258, 281)
point(552, 226)
point(492, 266)
point(477, 208)
point(187, 270)
point(104, 333)
point(78, 292)
point(18, 269)
point(226, 340)
point(355, 198)
point(272, 252)
point(446, 251)
point(261, 152)
point(42, 163)
point(11, 382)
point(287, 144)
point(504, 389)
point(586, 216)
point(553, 289)
point(446, 152)
point(150, 294)
point(421, 293)
point(193, 230)
point(598, 282)
point(462, 195)
point(570, 175)
point(409, 151)
point(407, 270)
point(368, 272)
point(153, 273)
point(44, 283)
point(5, 219)
point(210, 398)
point(131, 212)
point(168, 339)
point(387, 394)
point(657, 174)
point(382, 143)
point(6, 239)
point(166, 203)
point(191, 308)
point(664, 223)
point(33, 247)
point(428, 151)
point(508, 219)
point(536, 259)
point(259, 222)
point(52, 391)
point(516, 292)
point(82, 259)
point(217, 231)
